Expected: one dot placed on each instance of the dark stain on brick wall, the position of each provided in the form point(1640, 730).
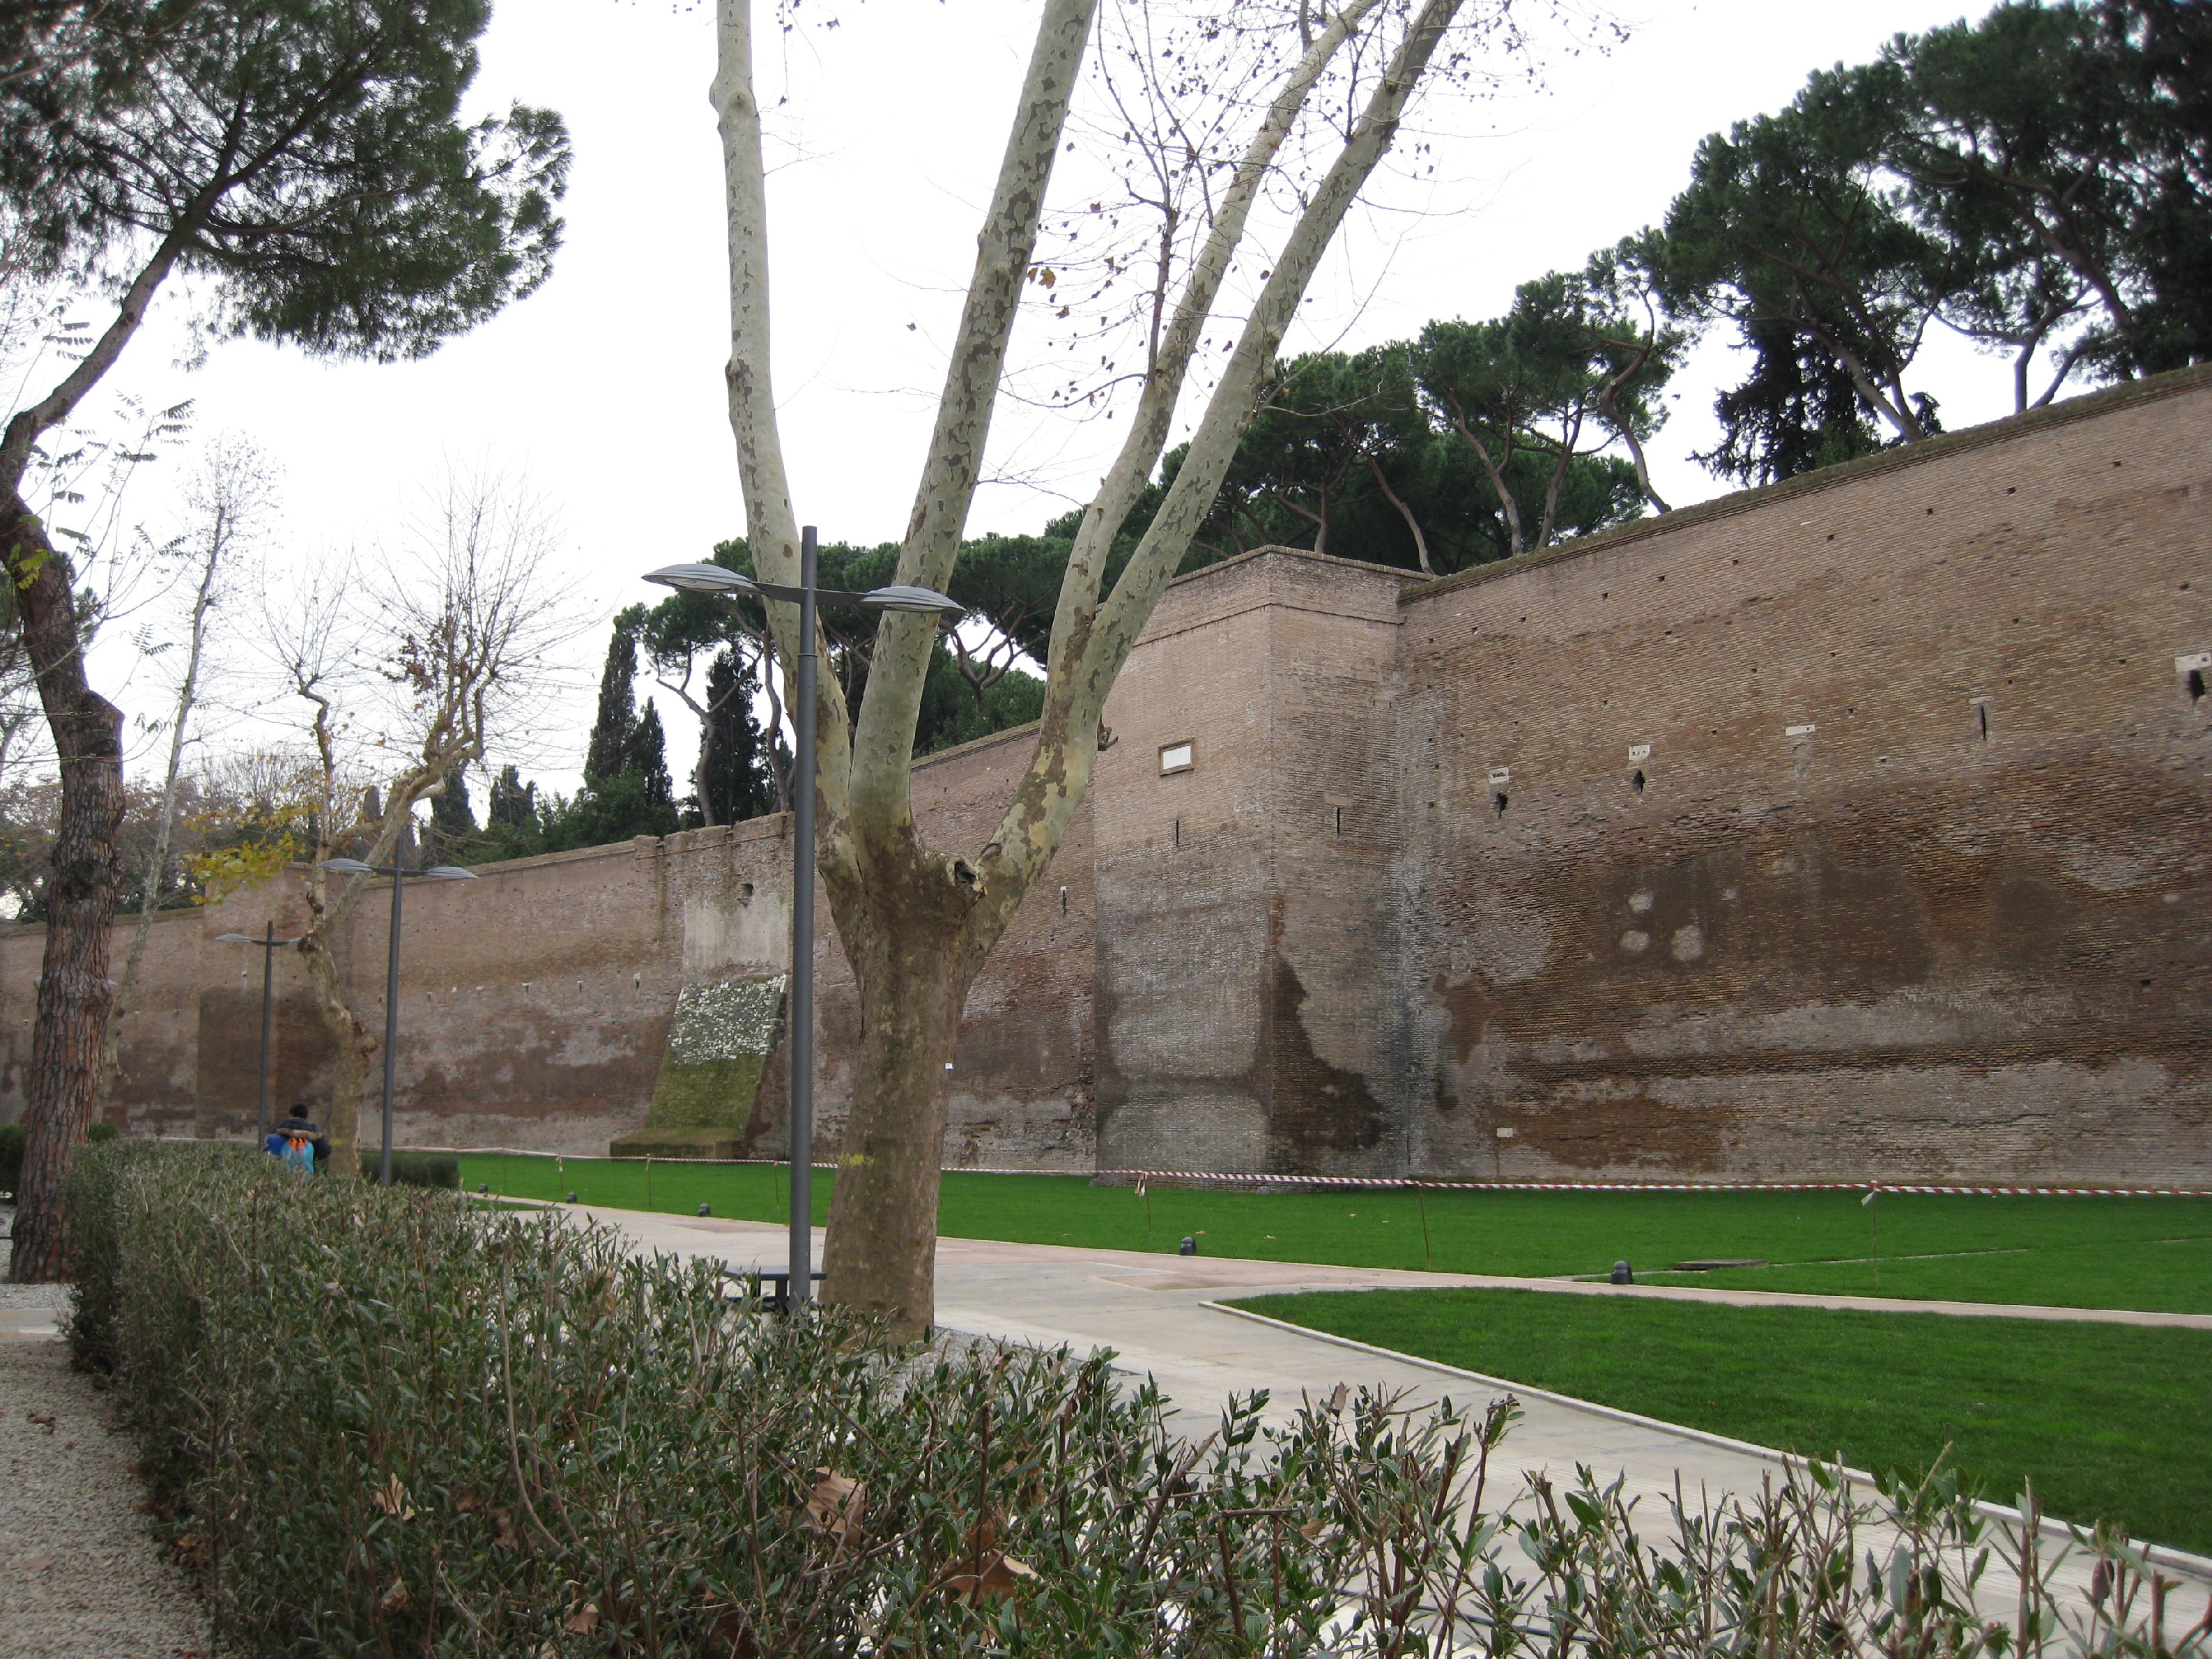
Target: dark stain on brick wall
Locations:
point(1314, 1110)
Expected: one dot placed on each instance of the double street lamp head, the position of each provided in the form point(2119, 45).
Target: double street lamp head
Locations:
point(355, 867)
point(713, 579)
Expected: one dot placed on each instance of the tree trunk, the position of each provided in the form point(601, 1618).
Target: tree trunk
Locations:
point(351, 1044)
point(913, 979)
point(74, 992)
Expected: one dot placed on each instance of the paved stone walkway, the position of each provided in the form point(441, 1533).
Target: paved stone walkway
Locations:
point(1156, 1313)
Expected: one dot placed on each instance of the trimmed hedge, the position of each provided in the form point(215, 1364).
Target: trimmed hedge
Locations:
point(12, 1135)
point(388, 1421)
point(427, 1170)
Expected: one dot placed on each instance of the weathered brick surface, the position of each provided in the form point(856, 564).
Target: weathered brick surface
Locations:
point(1853, 828)
point(1886, 946)
point(1243, 903)
point(535, 1001)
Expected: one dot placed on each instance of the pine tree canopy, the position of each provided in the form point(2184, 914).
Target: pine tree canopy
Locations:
point(307, 158)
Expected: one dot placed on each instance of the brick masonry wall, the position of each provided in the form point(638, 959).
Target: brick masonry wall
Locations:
point(1915, 885)
point(1852, 828)
point(535, 1001)
point(1243, 903)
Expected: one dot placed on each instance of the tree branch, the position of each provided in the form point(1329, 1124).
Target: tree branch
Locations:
point(882, 740)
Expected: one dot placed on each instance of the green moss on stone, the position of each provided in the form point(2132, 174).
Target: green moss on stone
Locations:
point(706, 1094)
point(719, 1043)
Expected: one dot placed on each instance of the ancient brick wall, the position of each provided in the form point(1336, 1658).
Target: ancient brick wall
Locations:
point(1244, 889)
point(535, 1001)
point(1855, 828)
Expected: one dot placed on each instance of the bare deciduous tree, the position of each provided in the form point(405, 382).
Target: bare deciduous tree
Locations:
point(451, 644)
point(916, 921)
point(230, 497)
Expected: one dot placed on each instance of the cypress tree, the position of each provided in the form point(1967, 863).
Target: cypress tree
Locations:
point(647, 760)
point(615, 731)
point(452, 822)
point(513, 803)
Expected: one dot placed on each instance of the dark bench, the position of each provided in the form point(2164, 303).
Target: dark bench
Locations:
point(771, 1286)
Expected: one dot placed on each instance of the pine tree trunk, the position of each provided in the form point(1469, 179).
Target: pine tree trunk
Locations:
point(74, 992)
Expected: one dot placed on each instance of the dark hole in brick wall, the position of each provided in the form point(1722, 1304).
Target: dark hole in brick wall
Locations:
point(1636, 783)
point(1339, 820)
point(1498, 800)
point(2196, 685)
point(1982, 715)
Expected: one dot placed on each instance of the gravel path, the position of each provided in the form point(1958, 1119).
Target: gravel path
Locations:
point(81, 1575)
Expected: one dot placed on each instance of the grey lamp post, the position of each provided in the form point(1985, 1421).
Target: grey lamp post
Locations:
point(713, 579)
point(436, 872)
point(270, 944)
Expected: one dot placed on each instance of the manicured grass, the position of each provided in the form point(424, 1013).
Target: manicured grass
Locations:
point(2071, 1251)
point(2171, 1275)
point(2111, 1422)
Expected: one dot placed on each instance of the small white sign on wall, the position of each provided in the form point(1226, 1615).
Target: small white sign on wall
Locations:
point(2195, 663)
point(1175, 756)
point(1500, 775)
point(1639, 751)
point(1804, 731)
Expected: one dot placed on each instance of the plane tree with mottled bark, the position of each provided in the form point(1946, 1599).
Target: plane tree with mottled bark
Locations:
point(1321, 97)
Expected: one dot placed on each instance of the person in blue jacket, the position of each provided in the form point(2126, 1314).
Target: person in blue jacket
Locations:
point(293, 1140)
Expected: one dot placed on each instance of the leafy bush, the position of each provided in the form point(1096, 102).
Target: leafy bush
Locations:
point(11, 1156)
point(427, 1170)
point(390, 1421)
point(101, 1132)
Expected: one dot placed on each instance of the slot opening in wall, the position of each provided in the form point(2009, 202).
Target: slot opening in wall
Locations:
point(1636, 783)
point(1498, 800)
point(1981, 719)
point(1339, 820)
point(2195, 684)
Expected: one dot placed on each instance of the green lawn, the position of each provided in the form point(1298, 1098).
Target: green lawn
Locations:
point(2174, 1274)
point(2110, 1422)
point(2083, 1252)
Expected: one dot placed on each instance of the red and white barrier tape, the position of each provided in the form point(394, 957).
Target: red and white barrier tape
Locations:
point(1356, 1183)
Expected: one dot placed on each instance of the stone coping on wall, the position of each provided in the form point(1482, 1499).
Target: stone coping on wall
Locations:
point(1333, 561)
point(2089, 406)
point(125, 919)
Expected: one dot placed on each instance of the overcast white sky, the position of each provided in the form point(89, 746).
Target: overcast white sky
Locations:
point(605, 387)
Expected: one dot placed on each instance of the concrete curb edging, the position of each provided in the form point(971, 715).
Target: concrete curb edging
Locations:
point(2163, 1555)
